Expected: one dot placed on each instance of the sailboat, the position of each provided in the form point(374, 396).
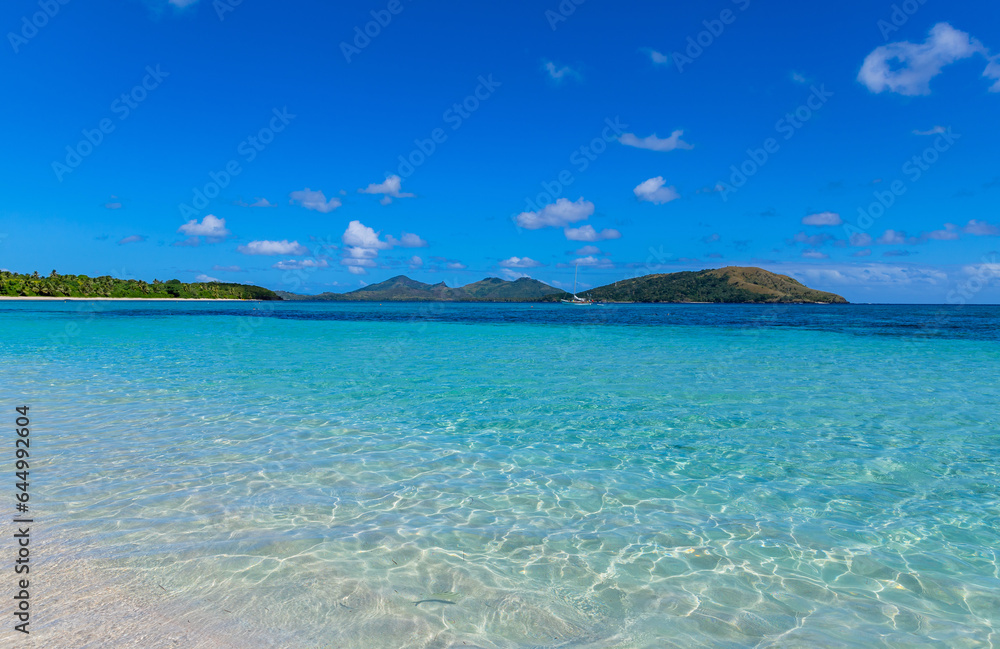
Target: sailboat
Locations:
point(577, 300)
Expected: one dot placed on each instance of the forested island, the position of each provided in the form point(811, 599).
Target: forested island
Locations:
point(730, 285)
point(404, 289)
point(56, 285)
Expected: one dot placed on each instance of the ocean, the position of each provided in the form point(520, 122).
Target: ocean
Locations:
point(508, 476)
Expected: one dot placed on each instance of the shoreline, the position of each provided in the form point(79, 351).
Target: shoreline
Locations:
point(125, 299)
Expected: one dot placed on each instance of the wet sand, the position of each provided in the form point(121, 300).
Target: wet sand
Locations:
point(84, 604)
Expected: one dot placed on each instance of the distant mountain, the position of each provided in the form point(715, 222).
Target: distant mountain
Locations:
point(520, 290)
point(400, 289)
point(404, 289)
point(733, 284)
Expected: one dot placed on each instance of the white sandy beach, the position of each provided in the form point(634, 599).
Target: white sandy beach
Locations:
point(124, 299)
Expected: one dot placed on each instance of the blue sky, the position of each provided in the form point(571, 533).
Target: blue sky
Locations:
point(853, 147)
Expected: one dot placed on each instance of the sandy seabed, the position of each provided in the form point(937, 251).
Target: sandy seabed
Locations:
point(82, 604)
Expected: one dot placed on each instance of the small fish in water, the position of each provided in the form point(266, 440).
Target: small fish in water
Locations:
point(439, 598)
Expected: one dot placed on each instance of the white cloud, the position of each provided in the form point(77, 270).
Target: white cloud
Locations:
point(455, 265)
point(415, 262)
point(814, 254)
point(512, 274)
point(135, 238)
point(283, 247)
point(657, 57)
point(861, 239)
point(907, 68)
point(814, 240)
point(314, 200)
point(653, 191)
point(113, 206)
point(798, 78)
point(949, 233)
point(210, 226)
point(856, 274)
point(867, 252)
point(558, 74)
point(937, 130)
point(362, 245)
point(358, 263)
point(984, 270)
point(593, 262)
point(556, 215)
point(992, 71)
point(588, 233)
point(206, 278)
point(258, 202)
point(296, 264)
point(891, 238)
point(520, 262)
point(360, 235)
point(822, 218)
point(391, 188)
point(981, 229)
point(360, 253)
point(228, 269)
point(654, 143)
point(408, 240)
point(588, 250)
point(358, 266)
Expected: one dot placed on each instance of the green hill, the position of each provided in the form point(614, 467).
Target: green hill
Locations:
point(55, 285)
point(495, 289)
point(404, 289)
point(733, 284)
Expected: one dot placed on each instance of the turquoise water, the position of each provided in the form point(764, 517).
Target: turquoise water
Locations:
point(508, 476)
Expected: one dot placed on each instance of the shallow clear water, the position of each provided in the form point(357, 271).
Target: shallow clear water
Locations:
point(518, 476)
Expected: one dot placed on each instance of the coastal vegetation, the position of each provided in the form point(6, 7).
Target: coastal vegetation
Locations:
point(733, 284)
point(56, 285)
